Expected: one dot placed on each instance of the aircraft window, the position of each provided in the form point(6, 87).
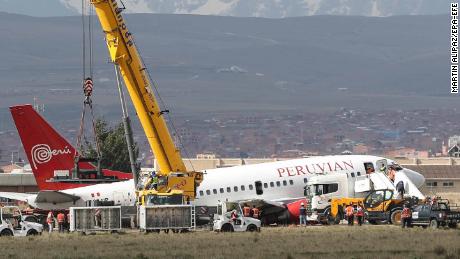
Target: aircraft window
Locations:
point(201, 193)
point(291, 182)
point(284, 182)
point(208, 192)
point(243, 188)
point(235, 188)
point(265, 185)
point(305, 180)
point(229, 189)
point(251, 187)
point(358, 174)
point(272, 184)
point(214, 191)
point(221, 190)
point(352, 174)
point(278, 184)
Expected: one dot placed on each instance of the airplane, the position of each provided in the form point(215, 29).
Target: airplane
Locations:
point(277, 187)
point(49, 153)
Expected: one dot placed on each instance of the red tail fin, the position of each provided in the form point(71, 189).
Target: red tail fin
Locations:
point(48, 152)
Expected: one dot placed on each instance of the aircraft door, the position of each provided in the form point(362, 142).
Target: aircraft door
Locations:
point(382, 165)
point(259, 188)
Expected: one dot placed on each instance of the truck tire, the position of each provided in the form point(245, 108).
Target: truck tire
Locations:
point(32, 232)
point(6, 233)
point(453, 225)
point(395, 217)
point(330, 220)
point(372, 222)
point(434, 224)
point(227, 228)
point(252, 228)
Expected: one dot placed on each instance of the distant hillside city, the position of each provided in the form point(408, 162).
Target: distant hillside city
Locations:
point(395, 134)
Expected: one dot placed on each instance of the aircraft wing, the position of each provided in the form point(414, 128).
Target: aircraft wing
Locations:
point(268, 207)
point(55, 197)
point(15, 196)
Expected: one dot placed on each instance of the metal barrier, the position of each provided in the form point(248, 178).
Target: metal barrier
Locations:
point(165, 217)
point(92, 219)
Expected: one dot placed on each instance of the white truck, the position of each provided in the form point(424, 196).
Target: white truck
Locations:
point(322, 188)
point(12, 223)
point(223, 221)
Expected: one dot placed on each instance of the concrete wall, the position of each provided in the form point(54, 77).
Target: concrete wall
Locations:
point(18, 183)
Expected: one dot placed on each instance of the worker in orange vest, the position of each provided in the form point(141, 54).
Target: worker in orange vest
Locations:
point(61, 221)
point(255, 212)
point(406, 216)
point(49, 221)
point(360, 214)
point(349, 211)
point(246, 210)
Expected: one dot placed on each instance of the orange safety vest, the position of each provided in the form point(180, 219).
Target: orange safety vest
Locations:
point(349, 211)
point(246, 211)
point(406, 213)
point(255, 212)
point(60, 218)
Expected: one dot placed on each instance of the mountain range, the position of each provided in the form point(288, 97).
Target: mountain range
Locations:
point(211, 64)
point(242, 8)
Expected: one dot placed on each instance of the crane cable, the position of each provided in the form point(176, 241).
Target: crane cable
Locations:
point(165, 109)
point(87, 81)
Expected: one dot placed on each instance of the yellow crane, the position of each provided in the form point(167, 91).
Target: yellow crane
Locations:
point(123, 52)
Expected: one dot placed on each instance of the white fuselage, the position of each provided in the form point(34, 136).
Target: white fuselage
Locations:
point(281, 181)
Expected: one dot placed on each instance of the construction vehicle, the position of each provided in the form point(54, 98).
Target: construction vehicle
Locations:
point(223, 221)
point(12, 223)
point(380, 206)
point(172, 172)
point(321, 189)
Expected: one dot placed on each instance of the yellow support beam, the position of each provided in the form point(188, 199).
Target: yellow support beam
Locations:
point(124, 53)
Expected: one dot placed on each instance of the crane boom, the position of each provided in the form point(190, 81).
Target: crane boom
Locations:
point(124, 53)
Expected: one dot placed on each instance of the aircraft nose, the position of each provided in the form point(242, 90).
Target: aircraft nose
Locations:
point(417, 178)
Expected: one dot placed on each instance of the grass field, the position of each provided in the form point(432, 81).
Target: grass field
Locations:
point(281, 242)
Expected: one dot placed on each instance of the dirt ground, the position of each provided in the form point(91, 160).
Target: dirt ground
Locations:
point(278, 242)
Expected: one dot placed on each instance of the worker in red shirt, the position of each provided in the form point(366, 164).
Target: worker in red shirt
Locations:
point(61, 221)
point(360, 214)
point(406, 217)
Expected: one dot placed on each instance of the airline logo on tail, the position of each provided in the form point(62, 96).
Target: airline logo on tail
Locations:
point(42, 153)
